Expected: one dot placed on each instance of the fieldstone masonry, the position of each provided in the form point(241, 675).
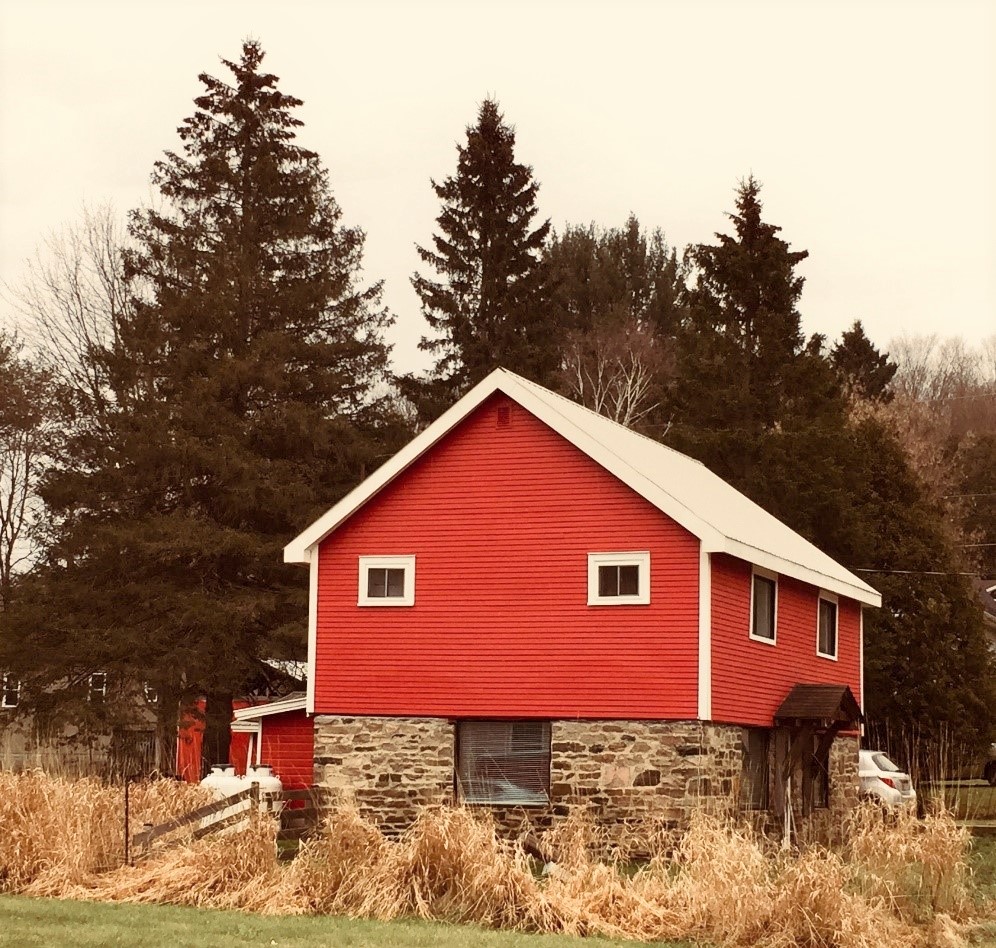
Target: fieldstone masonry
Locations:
point(626, 771)
point(629, 770)
point(391, 766)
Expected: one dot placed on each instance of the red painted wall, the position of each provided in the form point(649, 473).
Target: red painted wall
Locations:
point(287, 744)
point(750, 678)
point(501, 521)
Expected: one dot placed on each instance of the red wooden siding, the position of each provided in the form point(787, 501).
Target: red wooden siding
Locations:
point(750, 678)
point(501, 521)
point(287, 744)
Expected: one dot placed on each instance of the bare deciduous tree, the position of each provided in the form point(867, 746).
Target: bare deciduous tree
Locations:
point(25, 432)
point(616, 371)
point(73, 297)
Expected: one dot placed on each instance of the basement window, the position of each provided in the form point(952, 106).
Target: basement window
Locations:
point(764, 606)
point(504, 762)
point(619, 579)
point(387, 581)
point(10, 691)
point(826, 626)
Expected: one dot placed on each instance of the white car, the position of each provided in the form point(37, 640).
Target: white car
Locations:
point(883, 781)
point(989, 773)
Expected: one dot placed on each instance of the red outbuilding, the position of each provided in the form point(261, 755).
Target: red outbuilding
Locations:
point(278, 733)
point(531, 605)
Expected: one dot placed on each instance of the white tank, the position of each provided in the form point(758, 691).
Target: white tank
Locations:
point(223, 781)
point(269, 783)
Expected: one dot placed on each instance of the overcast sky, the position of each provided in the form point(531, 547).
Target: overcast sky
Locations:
point(872, 126)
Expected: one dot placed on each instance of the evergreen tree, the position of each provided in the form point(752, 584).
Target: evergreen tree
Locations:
point(764, 409)
point(609, 277)
point(244, 380)
point(746, 363)
point(746, 370)
point(929, 676)
point(489, 303)
point(616, 298)
point(863, 370)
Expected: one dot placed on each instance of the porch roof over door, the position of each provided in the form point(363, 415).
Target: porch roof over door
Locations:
point(820, 706)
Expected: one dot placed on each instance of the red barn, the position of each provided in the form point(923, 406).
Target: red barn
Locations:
point(531, 605)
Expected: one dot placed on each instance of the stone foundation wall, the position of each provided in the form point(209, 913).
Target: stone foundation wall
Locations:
point(626, 772)
point(391, 766)
point(826, 824)
point(630, 770)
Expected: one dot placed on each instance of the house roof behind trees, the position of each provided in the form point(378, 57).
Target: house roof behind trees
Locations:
point(725, 520)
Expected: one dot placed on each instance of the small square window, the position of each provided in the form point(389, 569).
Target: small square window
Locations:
point(826, 635)
point(10, 691)
point(387, 581)
point(764, 607)
point(616, 579)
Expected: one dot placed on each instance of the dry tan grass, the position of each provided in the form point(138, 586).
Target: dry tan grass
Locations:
point(900, 882)
point(55, 832)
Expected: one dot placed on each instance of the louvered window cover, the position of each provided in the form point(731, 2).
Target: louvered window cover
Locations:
point(504, 762)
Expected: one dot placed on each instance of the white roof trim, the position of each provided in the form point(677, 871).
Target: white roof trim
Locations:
point(291, 703)
point(686, 491)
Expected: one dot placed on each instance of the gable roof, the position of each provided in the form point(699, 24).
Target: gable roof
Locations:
point(684, 489)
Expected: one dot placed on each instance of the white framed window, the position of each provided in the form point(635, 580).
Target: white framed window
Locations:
point(826, 625)
point(503, 762)
point(387, 581)
point(10, 691)
point(764, 606)
point(97, 687)
point(619, 579)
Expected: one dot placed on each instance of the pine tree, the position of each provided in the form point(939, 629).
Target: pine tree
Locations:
point(612, 276)
point(489, 303)
point(765, 409)
point(863, 370)
point(244, 380)
point(748, 364)
point(746, 370)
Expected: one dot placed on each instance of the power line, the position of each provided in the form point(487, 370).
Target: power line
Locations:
point(912, 572)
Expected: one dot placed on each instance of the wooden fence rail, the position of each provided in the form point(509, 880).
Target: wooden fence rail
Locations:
point(142, 842)
point(296, 823)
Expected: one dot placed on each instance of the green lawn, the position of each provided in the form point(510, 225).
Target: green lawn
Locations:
point(31, 923)
point(983, 861)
